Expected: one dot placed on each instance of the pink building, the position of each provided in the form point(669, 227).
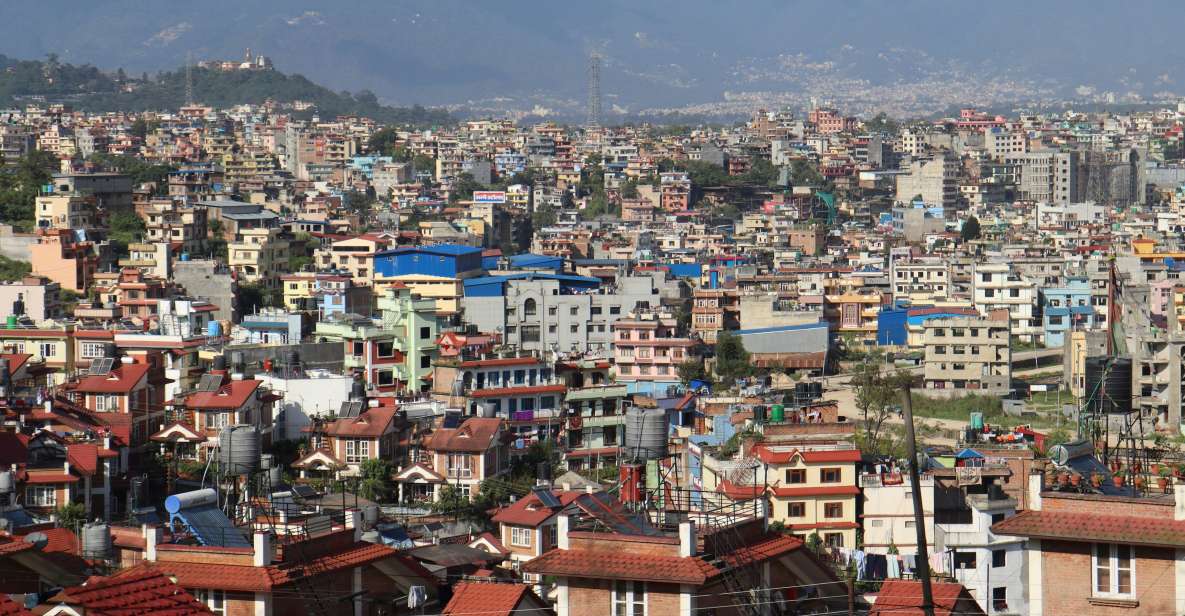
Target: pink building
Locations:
point(647, 352)
point(62, 259)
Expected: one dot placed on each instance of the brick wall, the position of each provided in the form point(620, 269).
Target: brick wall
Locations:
point(1067, 579)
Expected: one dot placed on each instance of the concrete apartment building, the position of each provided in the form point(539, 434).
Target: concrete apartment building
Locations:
point(647, 352)
point(259, 255)
point(67, 211)
point(168, 221)
point(887, 511)
point(990, 566)
point(999, 286)
point(935, 178)
point(920, 280)
point(541, 313)
point(967, 355)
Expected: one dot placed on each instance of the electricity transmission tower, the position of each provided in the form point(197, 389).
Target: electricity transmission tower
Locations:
point(594, 91)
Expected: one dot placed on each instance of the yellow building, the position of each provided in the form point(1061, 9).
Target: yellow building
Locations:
point(259, 255)
point(811, 488)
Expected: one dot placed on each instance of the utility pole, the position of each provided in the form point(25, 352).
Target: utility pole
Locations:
point(919, 516)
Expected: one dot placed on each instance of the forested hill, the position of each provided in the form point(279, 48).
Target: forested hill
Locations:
point(87, 88)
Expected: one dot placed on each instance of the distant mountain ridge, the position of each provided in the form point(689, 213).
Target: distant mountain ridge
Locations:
point(88, 88)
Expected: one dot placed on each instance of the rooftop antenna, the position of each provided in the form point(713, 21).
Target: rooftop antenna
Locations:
point(189, 79)
point(593, 120)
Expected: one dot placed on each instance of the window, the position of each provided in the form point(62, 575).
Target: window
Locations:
point(795, 510)
point(386, 378)
point(359, 349)
point(425, 361)
point(107, 403)
point(357, 450)
point(214, 599)
point(833, 540)
point(876, 523)
point(91, 350)
point(460, 465)
point(520, 537)
point(614, 309)
point(529, 307)
point(48, 349)
point(833, 510)
point(830, 475)
point(1000, 599)
point(609, 436)
point(217, 420)
point(574, 311)
point(964, 560)
point(999, 558)
point(629, 598)
point(998, 517)
point(385, 349)
point(1114, 572)
point(41, 496)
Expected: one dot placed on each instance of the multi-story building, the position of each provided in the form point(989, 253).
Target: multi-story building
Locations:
point(887, 512)
point(1066, 308)
point(647, 351)
point(595, 425)
point(548, 312)
point(967, 355)
point(61, 257)
point(714, 311)
point(167, 221)
point(393, 352)
point(469, 454)
point(920, 281)
point(259, 255)
point(434, 271)
point(936, 179)
point(998, 286)
point(67, 211)
point(990, 566)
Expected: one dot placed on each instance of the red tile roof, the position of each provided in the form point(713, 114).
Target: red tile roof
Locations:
point(371, 423)
point(773, 545)
point(10, 545)
point(84, 457)
point(261, 579)
point(38, 478)
point(529, 510)
point(228, 397)
point(525, 390)
point(904, 598)
point(133, 592)
point(738, 491)
point(1100, 527)
point(122, 379)
point(14, 449)
point(485, 599)
point(812, 456)
point(622, 566)
point(476, 434)
point(8, 607)
point(15, 360)
point(817, 491)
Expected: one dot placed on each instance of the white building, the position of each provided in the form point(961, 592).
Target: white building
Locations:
point(888, 512)
point(991, 567)
point(995, 286)
point(311, 393)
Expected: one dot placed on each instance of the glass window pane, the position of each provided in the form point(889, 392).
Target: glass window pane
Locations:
point(1104, 574)
point(1125, 581)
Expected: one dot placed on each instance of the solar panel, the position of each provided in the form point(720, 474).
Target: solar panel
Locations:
point(318, 524)
point(209, 382)
point(304, 492)
point(102, 365)
point(211, 527)
point(351, 408)
point(546, 497)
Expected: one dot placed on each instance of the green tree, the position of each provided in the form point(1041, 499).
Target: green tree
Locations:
point(692, 370)
point(374, 482)
point(876, 391)
point(544, 216)
point(11, 269)
point(804, 173)
point(762, 173)
point(704, 173)
point(881, 123)
point(970, 230)
point(629, 190)
point(70, 515)
point(463, 187)
point(732, 360)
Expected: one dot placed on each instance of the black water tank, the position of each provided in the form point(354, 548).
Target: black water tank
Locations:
point(219, 362)
point(1108, 385)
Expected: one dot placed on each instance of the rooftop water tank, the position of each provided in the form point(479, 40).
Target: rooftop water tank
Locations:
point(96, 541)
point(186, 500)
point(7, 482)
point(214, 329)
point(1062, 454)
point(645, 434)
point(239, 450)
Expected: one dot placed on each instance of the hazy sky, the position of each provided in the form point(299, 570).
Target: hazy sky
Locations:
point(661, 52)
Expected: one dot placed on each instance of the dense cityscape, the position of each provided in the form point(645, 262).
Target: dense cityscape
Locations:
point(271, 349)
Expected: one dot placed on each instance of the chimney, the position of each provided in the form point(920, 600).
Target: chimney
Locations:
point(354, 521)
point(561, 532)
point(263, 550)
point(1036, 484)
point(686, 539)
point(152, 536)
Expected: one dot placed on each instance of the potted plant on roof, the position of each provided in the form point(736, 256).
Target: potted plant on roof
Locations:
point(1075, 479)
point(1063, 478)
point(1117, 479)
point(1140, 482)
point(1162, 482)
point(1096, 480)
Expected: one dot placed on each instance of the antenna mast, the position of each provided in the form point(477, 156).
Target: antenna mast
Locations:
point(189, 79)
point(594, 91)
